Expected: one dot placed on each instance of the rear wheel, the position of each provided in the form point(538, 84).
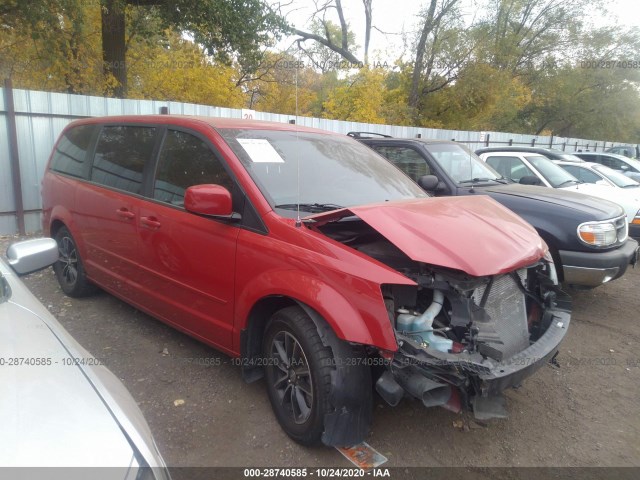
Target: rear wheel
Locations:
point(69, 268)
point(298, 374)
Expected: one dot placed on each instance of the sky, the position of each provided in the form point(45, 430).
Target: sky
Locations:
point(397, 16)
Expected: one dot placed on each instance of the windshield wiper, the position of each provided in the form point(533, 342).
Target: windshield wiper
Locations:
point(569, 181)
point(477, 180)
point(631, 186)
point(502, 180)
point(310, 207)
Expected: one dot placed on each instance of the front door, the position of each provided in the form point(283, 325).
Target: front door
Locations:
point(188, 260)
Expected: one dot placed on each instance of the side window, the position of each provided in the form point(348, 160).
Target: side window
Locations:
point(71, 151)
point(407, 159)
point(121, 154)
point(613, 162)
point(509, 167)
point(185, 160)
point(586, 175)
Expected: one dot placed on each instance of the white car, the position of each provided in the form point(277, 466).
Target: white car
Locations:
point(536, 169)
point(590, 172)
point(629, 166)
point(58, 406)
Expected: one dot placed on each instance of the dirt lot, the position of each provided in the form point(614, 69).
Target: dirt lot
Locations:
point(585, 413)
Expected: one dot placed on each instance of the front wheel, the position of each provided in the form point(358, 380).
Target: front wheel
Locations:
point(298, 374)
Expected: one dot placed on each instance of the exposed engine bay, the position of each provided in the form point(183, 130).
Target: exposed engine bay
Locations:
point(462, 339)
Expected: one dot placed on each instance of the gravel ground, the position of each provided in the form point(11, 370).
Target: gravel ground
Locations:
point(584, 413)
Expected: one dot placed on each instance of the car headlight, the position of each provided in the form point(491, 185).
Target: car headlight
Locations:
point(598, 234)
point(636, 219)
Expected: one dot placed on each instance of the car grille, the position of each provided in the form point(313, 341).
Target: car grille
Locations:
point(506, 329)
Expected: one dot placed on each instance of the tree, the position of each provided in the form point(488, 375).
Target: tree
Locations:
point(322, 57)
point(227, 29)
point(53, 48)
point(282, 85)
point(323, 30)
point(359, 98)
point(594, 96)
point(176, 69)
point(522, 33)
point(425, 57)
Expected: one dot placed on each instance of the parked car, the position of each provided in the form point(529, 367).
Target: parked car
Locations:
point(590, 172)
point(552, 153)
point(629, 166)
point(516, 165)
point(310, 258)
point(59, 407)
point(563, 219)
point(626, 150)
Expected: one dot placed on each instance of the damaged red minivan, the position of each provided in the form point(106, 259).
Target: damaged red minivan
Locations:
point(315, 261)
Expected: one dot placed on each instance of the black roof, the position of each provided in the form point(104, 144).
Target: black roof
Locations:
point(381, 136)
point(552, 153)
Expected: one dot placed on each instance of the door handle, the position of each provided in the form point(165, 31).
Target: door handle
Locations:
point(125, 213)
point(150, 222)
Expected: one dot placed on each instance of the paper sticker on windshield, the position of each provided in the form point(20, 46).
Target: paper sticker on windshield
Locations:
point(260, 150)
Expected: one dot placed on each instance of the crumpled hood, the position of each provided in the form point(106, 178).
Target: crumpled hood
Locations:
point(474, 234)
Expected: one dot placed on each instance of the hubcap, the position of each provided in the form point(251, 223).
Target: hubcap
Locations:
point(68, 260)
point(292, 377)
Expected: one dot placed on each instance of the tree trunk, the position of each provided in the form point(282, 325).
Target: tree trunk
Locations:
point(418, 65)
point(367, 28)
point(113, 44)
point(432, 21)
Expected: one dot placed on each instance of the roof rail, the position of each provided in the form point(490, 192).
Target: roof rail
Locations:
point(366, 134)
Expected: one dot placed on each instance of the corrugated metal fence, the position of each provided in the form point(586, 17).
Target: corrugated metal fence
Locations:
point(39, 117)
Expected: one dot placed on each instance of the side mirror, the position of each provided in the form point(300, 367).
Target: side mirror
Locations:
point(624, 167)
point(530, 180)
point(208, 199)
point(602, 182)
point(32, 255)
point(430, 183)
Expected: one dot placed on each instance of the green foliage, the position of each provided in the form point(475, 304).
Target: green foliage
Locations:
point(526, 66)
point(227, 29)
point(359, 98)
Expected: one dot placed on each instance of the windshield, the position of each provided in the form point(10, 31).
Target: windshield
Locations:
point(461, 164)
point(552, 173)
point(620, 179)
point(320, 172)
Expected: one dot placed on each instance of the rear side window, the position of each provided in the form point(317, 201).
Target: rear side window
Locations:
point(186, 160)
point(71, 151)
point(611, 162)
point(121, 154)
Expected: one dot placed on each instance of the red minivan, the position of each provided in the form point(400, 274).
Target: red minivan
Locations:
point(311, 258)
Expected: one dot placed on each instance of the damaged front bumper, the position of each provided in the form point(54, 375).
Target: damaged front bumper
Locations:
point(469, 380)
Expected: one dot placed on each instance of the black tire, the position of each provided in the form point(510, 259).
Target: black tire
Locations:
point(298, 374)
point(69, 269)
